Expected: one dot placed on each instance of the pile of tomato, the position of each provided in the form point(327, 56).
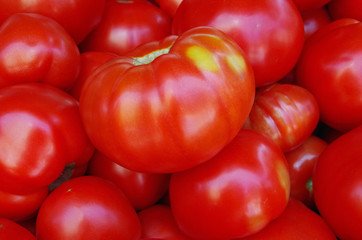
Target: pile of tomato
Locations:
point(181, 119)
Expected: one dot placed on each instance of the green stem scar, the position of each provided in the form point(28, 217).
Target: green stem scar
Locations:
point(150, 57)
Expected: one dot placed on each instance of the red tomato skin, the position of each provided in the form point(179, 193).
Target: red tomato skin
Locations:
point(270, 32)
point(286, 113)
point(77, 17)
point(126, 25)
point(12, 230)
point(89, 61)
point(40, 130)
point(141, 189)
point(307, 5)
point(301, 162)
point(234, 194)
point(314, 20)
point(337, 182)
point(169, 6)
point(297, 222)
point(87, 207)
point(39, 51)
point(330, 69)
point(168, 102)
point(21, 207)
point(345, 9)
point(157, 222)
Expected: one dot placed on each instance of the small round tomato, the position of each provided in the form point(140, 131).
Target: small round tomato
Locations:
point(126, 25)
point(337, 184)
point(78, 17)
point(286, 113)
point(40, 50)
point(314, 20)
point(236, 193)
point(21, 206)
point(158, 222)
point(12, 230)
point(297, 222)
point(40, 132)
point(270, 32)
point(301, 162)
point(141, 189)
point(87, 207)
point(330, 68)
point(173, 108)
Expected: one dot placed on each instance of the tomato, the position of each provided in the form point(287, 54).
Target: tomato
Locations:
point(141, 189)
point(11, 230)
point(330, 68)
point(169, 6)
point(298, 223)
point(89, 61)
point(286, 113)
point(301, 162)
point(40, 50)
point(158, 222)
point(169, 112)
point(78, 17)
point(307, 5)
point(40, 132)
point(236, 193)
point(345, 9)
point(87, 207)
point(337, 184)
point(21, 206)
point(270, 32)
point(126, 25)
point(314, 20)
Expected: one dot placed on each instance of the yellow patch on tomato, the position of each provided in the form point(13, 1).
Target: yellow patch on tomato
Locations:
point(236, 63)
point(202, 57)
point(283, 176)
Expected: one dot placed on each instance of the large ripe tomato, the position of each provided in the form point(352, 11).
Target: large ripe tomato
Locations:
point(270, 32)
point(141, 189)
point(126, 25)
point(345, 9)
point(78, 17)
point(337, 185)
point(298, 223)
point(87, 207)
point(236, 193)
point(174, 112)
point(157, 222)
point(39, 50)
point(40, 132)
point(331, 68)
point(286, 113)
point(21, 206)
point(12, 230)
point(301, 162)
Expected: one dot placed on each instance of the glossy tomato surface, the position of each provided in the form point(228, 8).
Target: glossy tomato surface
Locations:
point(337, 184)
point(270, 32)
point(87, 208)
point(77, 17)
point(169, 6)
point(314, 20)
point(301, 162)
point(298, 223)
point(330, 68)
point(236, 193)
point(141, 189)
point(12, 230)
point(174, 112)
point(126, 25)
point(286, 113)
point(40, 132)
point(40, 50)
